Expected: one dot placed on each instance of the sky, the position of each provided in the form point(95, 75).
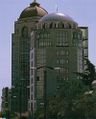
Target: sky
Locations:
point(82, 11)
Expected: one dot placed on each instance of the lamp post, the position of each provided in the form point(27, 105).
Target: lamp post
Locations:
point(45, 79)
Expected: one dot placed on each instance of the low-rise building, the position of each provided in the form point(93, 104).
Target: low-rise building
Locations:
point(5, 105)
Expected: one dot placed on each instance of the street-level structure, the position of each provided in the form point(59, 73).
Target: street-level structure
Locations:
point(5, 105)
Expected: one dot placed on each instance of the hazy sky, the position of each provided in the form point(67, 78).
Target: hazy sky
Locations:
point(82, 11)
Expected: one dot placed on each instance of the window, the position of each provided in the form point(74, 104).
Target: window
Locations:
point(62, 61)
point(31, 106)
point(31, 96)
point(66, 25)
point(51, 25)
point(31, 63)
point(85, 43)
point(61, 25)
point(62, 52)
point(62, 39)
point(74, 26)
point(85, 52)
point(54, 25)
point(57, 53)
point(24, 32)
point(31, 55)
point(44, 26)
point(67, 71)
point(67, 53)
point(31, 88)
point(67, 61)
point(31, 80)
point(67, 78)
point(45, 44)
point(31, 72)
point(75, 35)
point(38, 79)
point(57, 61)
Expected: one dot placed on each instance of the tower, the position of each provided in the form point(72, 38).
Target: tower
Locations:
point(20, 56)
point(56, 55)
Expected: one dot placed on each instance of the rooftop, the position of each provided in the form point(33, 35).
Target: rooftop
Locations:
point(56, 17)
point(33, 10)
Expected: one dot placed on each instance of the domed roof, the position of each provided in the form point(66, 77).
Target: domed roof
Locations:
point(56, 17)
point(33, 10)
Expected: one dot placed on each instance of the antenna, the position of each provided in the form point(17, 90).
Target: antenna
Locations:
point(34, 0)
point(56, 7)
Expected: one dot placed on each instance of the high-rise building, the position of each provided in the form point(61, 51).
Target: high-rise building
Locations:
point(57, 54)
point(20, 56)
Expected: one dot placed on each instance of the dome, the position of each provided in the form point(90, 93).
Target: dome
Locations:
point(57, 20)
point(56, 17)
point(33, 10)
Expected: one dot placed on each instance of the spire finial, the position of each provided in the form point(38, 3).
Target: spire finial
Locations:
point(34, 0)
point(56, 7)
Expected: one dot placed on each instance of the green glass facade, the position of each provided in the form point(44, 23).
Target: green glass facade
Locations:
point(21, 57)
point(20, 70)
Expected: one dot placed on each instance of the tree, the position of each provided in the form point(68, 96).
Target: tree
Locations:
point(39, 113)
point(63, 104)
point(89, 73)
point(86, 105)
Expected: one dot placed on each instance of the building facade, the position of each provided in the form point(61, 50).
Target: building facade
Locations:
point(21, 56)
point(85, 46)
point(57, 54)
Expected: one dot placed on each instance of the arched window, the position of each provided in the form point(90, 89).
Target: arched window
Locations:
point(57, 25)
point(69, 25)
point(51, 25)
point(24, 32)
point(74, 26)
point(66, 25)
point(47, 25)
point(44, 26)
point(61, 25)
point(54, 25)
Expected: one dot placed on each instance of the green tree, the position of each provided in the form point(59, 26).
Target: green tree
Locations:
point(89, 73)
point(86, 105)
point(39, 113)
point(70, 102)
point(63, 104)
